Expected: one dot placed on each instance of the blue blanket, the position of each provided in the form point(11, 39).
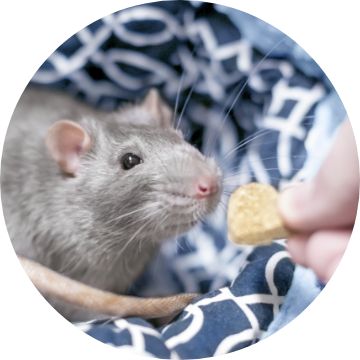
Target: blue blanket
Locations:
point(248, 95)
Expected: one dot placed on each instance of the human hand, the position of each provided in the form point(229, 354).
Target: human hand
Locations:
point(321, 213)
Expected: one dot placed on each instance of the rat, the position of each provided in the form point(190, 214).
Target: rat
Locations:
point(91, 195)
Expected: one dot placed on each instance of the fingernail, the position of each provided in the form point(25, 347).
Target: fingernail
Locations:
point(290, 204)
point(287, 200)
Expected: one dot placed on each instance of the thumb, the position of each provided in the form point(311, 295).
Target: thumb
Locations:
point(304, 209)
point(330, 199)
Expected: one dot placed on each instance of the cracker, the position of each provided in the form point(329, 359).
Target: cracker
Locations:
point(253, 218)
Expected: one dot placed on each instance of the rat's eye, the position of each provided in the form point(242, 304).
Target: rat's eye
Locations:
point(130, 160)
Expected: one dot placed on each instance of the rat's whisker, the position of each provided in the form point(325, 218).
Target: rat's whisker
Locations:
point(222, 206)
point(193, 52)
point(231, 170)
point(252, 72)
point(181, 83)
point(258, 134)
point(144, 208)
point(186, 103)
point(232, 187)
point(177, 235)
point(136, 221)
point(178, 243)
point(181, 243)
point(242, 172)
point(158, 225)
point(108, 245)
point(133, 237)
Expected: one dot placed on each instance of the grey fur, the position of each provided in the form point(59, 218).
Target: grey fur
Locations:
point(79, 225)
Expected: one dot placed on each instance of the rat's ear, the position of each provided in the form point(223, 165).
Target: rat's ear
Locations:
point(67, 141)
point(158, 109)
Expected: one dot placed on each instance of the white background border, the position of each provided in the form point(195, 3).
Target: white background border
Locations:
point(31, 30)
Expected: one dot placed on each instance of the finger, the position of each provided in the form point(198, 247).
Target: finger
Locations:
point(331, 199)
point(297, 209)
point(324, 251)
point(296, 246)
point(309, 207)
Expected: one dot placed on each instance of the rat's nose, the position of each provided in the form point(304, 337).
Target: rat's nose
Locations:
point(206, 186)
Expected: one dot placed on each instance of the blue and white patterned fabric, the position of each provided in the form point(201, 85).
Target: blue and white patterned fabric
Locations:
point(249, 103)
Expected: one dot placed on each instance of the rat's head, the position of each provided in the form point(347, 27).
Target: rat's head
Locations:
point(136, 172)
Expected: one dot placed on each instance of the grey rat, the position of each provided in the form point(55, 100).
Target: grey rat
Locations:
point(92, 195)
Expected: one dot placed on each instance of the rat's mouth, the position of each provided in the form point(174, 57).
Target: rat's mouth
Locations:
point(182, 212)
point(182, 205)
point(179, 199)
